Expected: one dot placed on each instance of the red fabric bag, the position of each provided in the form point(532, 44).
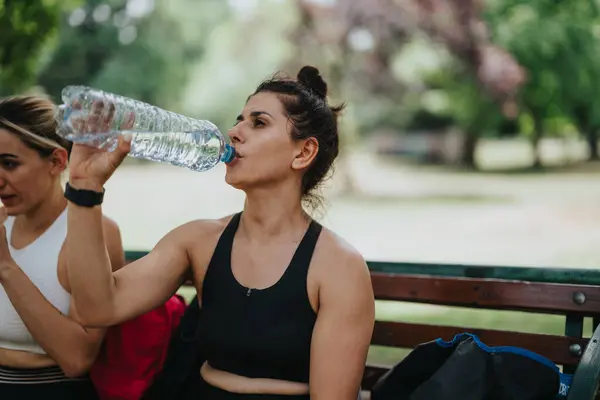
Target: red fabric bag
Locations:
point(134, 351)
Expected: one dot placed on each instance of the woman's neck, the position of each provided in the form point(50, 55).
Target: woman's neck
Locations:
point(41, 217)
point(269, 213)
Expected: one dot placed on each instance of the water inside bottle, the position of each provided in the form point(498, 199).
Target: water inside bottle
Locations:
point(195, 150)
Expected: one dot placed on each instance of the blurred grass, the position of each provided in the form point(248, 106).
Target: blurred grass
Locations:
point(452, 316)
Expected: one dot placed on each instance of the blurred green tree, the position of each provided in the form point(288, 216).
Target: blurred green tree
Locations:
point(25, 28)
point(144, 53)
point(556, 43)
point(579, 66)
point(88, 38)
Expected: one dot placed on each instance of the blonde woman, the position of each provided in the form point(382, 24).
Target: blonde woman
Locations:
point(43, 351)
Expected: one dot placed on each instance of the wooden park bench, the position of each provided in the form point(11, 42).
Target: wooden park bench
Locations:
point(572, 293)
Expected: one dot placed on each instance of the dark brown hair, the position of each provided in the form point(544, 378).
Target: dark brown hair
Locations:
point(305, 102)
point(31, 118)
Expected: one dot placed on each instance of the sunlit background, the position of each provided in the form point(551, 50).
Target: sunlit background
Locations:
point(470, 134)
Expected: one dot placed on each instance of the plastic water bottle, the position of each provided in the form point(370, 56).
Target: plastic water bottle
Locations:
point(157, 134)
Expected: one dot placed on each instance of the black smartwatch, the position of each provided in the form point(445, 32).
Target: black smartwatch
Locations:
point(82, 197)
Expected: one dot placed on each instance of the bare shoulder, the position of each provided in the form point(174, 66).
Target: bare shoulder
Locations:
point(199, 238)
point(110, 226)
point(114, 244)
point(335, 257)
point(339, 254)
point(201, 229)
point(342, 281)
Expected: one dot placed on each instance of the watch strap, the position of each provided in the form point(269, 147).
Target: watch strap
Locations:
point(83, 197)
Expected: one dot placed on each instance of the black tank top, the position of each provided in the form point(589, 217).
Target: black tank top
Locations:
point(258, 333)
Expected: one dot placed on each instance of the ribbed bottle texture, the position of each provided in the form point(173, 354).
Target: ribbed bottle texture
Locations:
point(98, 118)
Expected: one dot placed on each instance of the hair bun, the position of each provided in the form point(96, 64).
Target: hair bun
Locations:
point(312, 79)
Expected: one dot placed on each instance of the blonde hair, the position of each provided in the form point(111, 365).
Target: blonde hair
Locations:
point(32, 119)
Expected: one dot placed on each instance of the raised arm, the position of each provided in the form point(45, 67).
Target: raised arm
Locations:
point(103, 298)
point(343, 330)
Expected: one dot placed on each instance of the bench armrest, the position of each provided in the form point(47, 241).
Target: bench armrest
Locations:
point(587, 374)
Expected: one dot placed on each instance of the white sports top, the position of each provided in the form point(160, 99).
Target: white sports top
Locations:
point(39, 261)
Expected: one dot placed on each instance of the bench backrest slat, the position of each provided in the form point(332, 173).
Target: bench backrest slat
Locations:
point(551, 298)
